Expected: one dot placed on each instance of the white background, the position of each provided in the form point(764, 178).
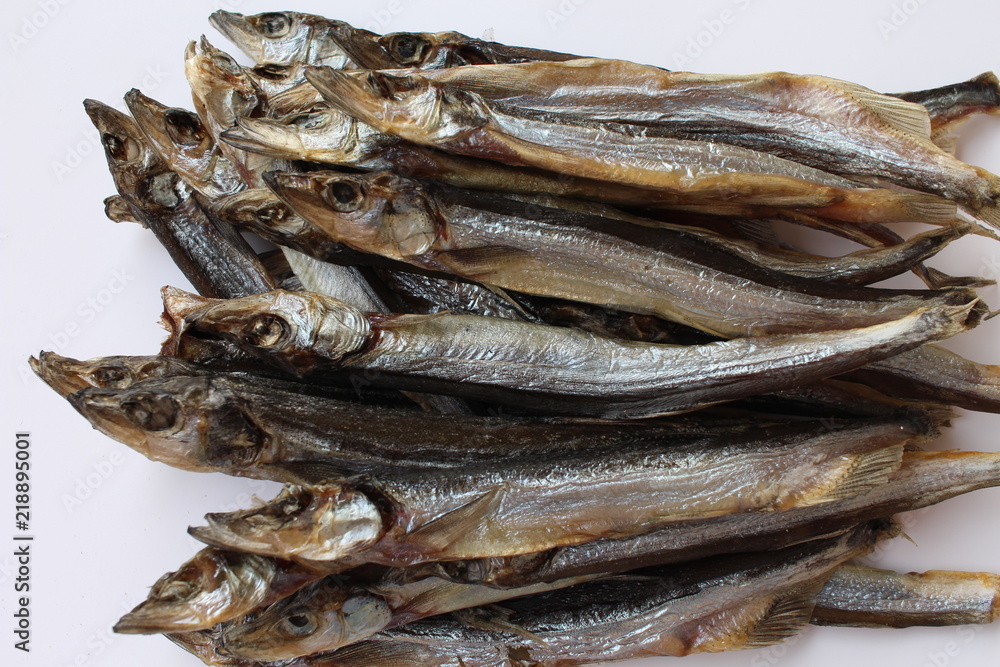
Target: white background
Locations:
point(108, 522)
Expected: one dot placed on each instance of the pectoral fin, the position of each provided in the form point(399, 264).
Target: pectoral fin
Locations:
point(445, 530)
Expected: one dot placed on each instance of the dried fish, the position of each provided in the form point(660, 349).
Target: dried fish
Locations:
point(553, 253)
point(457, 121)
point(488, 509)
point(182, 141)
point(213, 587)
point(828, 124)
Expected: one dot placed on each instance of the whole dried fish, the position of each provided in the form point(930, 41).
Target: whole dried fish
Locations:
point(457, 121)
point(488, 509)
point(548, 252)
point(217, 260)
point(824, 123)
point(294, 432)
point(562, 371)
point(865, 597)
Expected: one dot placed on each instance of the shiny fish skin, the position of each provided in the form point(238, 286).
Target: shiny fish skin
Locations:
point(217, 260)
point(870, 598)
point(824, 123)
point(553, 253)
point(482, 510)
point(432, 114)
point(924, 479)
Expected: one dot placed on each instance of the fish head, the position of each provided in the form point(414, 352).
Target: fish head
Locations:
point(316, 523)
point(282, 38)
point(68, 376)
point(138, 172)
point(213, 587)
point(322, 134)
point(191, 423)
point(403, 104)
point(257, 209)
point(322, 617)
point(290, 329)
point(379, 212)
point(221, 88)
point(183, 141)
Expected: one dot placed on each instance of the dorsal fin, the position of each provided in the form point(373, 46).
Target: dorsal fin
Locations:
point(908, 117)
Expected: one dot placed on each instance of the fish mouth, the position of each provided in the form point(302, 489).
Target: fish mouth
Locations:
point(65, 375)
point(178, 305)
point(102, 408)
point(111, 122)
point(265, 137)
point(362, 48)
point(226, 531)
point(154, 617)
point(352, 95)
point(148, 114)
point(234, 26)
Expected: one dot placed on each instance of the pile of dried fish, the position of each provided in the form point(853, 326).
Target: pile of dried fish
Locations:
point(542, 381)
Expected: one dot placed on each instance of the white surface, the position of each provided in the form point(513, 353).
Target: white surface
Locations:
point(95, 558)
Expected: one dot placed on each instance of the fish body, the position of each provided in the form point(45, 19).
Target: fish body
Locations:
point(924, 479)
point(824, 123)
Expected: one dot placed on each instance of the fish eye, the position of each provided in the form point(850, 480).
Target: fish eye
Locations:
point(113, 377)
point(227, 64)
point(122, 149)
point(183, 127)
point(151, 412)
point(298, 625)
point(274, 25)
point(266, 331)
point(344, 196)
point(407, 49)
point(306, 121)
point(273, 213)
